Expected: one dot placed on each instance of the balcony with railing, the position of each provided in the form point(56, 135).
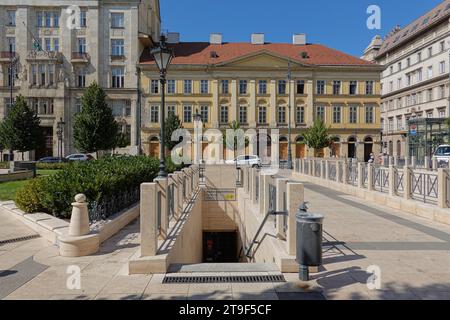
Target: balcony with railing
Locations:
point(80, 57)
point(6, 56)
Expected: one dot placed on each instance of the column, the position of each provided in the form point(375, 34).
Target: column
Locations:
point(148, 217)
point(392, 178)
point(442, 188)
point(162, 199)
point(407, 183)
point(294, 197)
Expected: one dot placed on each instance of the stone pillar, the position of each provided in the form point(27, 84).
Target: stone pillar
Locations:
point(149, 220)
point(323, 170)
point(337, 170)
point(79, 220)
point(442, 188)
point(407, 183)
point(294, 197)
point(327, 169)
point(360, 175)
point(263, 194)
point(280, 206)
point(162, 199)
point(174, 181)
point(345, 173)
point(413, 162)
point(426, 163)
point(253, 184)
point(435, 163)
point(370, 186)
point(392, 176)
point(180, 199)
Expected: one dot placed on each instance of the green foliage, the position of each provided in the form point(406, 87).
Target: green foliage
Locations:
point(28, 198)
point(236, 143)
point(4, 165)
point(95, 127)
point(21, 130)
point(100, 179)
point(316, 137)
point(170, 166)
point(52, 166)
point(172, 123)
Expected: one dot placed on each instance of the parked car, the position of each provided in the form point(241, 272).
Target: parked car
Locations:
point(252, 161)
point(52, 160)
point(79, 157)
point(442, 154)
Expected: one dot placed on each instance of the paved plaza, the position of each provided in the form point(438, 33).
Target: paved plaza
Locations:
point(413, 255)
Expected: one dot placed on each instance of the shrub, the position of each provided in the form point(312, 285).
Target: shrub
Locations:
point(99, 180)
point(52, 166)
point(29, 197)
point(4, 165)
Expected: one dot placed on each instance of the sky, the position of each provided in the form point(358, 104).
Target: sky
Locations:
point(339, 24)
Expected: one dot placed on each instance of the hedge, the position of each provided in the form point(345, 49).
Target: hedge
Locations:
point(98, 180)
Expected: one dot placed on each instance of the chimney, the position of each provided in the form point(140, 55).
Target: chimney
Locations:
point(215, 38)
point(257, 38)
point(299, 39)
point(173, 37)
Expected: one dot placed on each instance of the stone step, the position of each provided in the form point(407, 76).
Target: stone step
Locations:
point(223, 267)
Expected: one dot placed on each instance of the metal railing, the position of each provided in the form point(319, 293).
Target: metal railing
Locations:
point(317, 168)
point(108, 206)
point(331, 171)
point(424, 186)
point(171, 200)
point(365, 174)
point(381, 179)
point(352, 173)
point(399, 181)
point(273, 202)
point(257, 187)
point(239, 177)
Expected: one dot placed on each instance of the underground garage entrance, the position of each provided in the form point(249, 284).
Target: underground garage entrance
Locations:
point(220, 247)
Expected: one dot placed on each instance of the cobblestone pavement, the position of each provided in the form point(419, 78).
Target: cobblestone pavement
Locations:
point(413, 255)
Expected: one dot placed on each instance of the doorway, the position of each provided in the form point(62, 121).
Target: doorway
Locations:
point(45, 148)
point(368, 148)
point(351, 147)
point(220, 247)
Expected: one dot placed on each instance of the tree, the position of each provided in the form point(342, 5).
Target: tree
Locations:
point(21, 129)
point(236, 143)
point(122, 140)
point(95, 128)
point(316, 137)
point(172, 123)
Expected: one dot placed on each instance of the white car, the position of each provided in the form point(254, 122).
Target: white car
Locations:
point(79, 157)
point(442, 154)
point(252, 161)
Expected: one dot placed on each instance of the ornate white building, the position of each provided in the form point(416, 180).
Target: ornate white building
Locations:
point(415, 81)
point(81, 42)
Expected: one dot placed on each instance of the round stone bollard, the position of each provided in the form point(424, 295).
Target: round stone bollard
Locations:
point(79, 221)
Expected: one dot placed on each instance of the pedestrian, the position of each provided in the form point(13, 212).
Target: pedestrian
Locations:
point(371, 158)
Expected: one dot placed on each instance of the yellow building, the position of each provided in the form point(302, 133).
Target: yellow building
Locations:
point(249, 83)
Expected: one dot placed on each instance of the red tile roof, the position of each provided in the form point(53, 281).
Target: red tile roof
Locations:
point(199, 53)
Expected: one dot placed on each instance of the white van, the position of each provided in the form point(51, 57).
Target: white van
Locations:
point(442, 154)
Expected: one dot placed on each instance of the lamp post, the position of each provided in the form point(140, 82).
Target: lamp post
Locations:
point(163, 56)
point(289, 160)
point(60, 133)
point(198, 143)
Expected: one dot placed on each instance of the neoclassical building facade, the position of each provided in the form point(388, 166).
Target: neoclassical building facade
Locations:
point(59, 47)
point(248, 83)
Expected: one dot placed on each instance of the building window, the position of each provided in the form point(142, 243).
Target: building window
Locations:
point(118, 78)
point(300, 115)
point(187, 114)
point(8, 105)
point(225, 87)
point(154, 87)
point(262, 115)
point(320, 87)
point(11, 18)
point(430, 52)
point(171, 86)
point(408, 79)
point(430, 114)
point(399, 66)
point(117, 20)
point(51, 74)
point(442, 92)
point(117, 107)
point(42, 74)
point(55, 19)
point(430, 72)
point(171, 109)
point(83, 19)
point(336, 87)
point(243, 114)
point(301, 87)
point(262, 86)
point(320, 113)
point(430, 95)
point(419, 75)
point(154, 114)
point(82, 45)
point(336, 114)
point(204, 114)
point(442, 46)
point(369, 114)
point(48, 44)
point(117, 47)
point(34, 75)
point(408, 62)
point(441, 113)
point(353, 87)
point(56, 44)
point(204, 88)
point(242, 86)
point(282, 87)
point(11, 44)
point(47, 19)
point(369, 88)
point(281, 115)
point(419, 57)
point(223, 114)
point(127, 108)
point(353, 114)
point(187, 86)
point(78, 106)
point(442, 67)
point(81, 78)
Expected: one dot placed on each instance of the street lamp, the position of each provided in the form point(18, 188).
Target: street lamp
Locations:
point(60, 132)
point(197, 127)
point(163, 56)
point(289, 160)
